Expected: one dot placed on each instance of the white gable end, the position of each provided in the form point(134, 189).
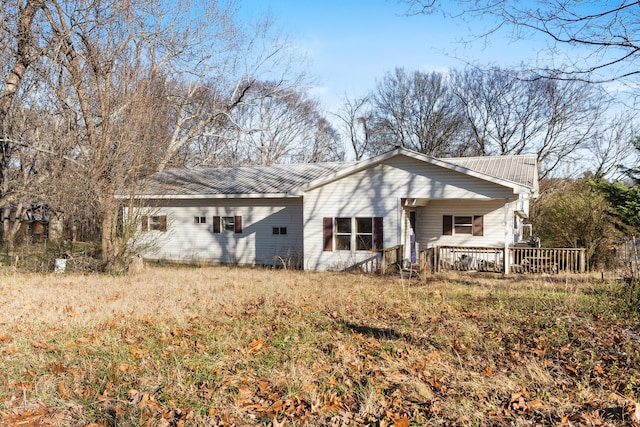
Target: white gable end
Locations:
point(384, 190)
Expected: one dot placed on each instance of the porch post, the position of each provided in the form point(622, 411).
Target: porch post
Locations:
point(507, 224)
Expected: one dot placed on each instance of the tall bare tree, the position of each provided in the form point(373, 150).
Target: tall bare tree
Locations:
point(273, 125)
point(611, 147)
point(133, 81)
point(325, 146)
point(415, 110)
point(355, 117)
point(20, 48)
point(508, 112)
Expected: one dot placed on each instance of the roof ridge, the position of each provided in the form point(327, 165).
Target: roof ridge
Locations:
point(199, 168)
point(490, 157)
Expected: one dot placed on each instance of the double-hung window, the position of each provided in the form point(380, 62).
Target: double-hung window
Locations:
point(349, 234)
point(462, 225)
point(154, 222)
point(343, 234)
point(230, 224)
point(364, 234)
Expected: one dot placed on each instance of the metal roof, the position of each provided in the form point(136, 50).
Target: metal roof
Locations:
point(521, 169)
point(288, 180)
point(273, 179)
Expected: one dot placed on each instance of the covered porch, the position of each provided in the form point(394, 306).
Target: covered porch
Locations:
point(490, 224)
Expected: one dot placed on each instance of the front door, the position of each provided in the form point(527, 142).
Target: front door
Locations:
point(412, 237)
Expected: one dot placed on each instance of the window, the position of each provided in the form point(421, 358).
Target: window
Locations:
point(462, 225)
point(199, 219)
point(227, 223)
point(158, 222)
point(155, 222)
point(279, 230)
point(343, 234)
point(364, 234)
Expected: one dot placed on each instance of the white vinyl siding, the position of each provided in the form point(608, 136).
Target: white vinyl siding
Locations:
point(187, 241)
point(378, 191)
point(429, 222)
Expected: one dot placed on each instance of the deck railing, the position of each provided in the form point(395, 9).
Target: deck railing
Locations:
point(548, 260)
point(390, 257)
point(521, 260)
point(462, 258)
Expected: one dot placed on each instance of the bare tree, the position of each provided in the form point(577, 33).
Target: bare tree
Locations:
point(610, 147)
point(25, 168)
point(276, 123)
point(327, 145)
point(272, 125)
point(132, 81)
point(571, 117)
point(19, 50)
point(507, 112)
point(415, 110)
point(589, 40)
point(354, 117)
point(495, 110)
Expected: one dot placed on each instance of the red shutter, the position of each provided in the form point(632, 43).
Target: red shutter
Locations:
point(145, 223)
point(447, 225)
point(327, 233)
point(163, 223)
point(237, 221)
point(378, 235)
point(216, 224)
point(478, 226)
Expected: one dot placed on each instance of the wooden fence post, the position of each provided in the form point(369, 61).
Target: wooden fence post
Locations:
point(383, 262)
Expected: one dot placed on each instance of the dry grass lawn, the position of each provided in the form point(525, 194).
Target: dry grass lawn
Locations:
point(229, 346)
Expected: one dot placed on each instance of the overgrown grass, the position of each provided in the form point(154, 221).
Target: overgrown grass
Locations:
point(234, 346)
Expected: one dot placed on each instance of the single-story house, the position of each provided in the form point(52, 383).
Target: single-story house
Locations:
point(334, 216)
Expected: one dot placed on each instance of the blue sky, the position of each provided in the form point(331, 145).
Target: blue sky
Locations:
point(351, 43)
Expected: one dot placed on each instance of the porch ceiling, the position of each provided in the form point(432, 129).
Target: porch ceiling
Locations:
point(409, 202)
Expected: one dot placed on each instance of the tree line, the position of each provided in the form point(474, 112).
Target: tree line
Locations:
point(97, 95)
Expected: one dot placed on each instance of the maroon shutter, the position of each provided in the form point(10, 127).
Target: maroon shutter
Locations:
point(145, 223)
point(163, 223)
point(478, 226)
point(378, 235)
point(237, 221)
point(447, 225)
point(327, 233)
point(216, 224)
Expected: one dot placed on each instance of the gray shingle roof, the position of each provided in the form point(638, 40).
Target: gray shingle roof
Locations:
point(274, 179)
